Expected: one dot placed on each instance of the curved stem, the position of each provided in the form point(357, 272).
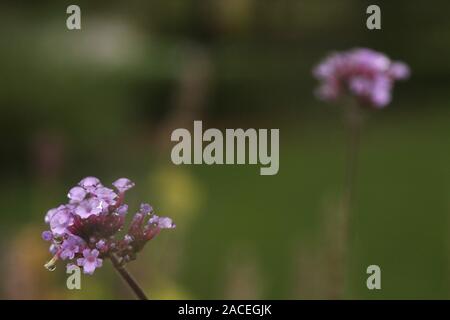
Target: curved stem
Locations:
point(128, 278)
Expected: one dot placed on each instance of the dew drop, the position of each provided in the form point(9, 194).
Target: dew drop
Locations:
point(51, 265)
point(51, 268)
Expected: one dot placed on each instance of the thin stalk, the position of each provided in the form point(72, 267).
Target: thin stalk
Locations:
point(354, 122)
point(129, 279)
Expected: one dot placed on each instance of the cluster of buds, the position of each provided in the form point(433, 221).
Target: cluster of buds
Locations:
point(367, 75)
point(85, 231)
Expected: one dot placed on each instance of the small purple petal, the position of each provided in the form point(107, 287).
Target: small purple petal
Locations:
point(99, 263)
point(166, 223)
point(162, 222)
point(47, 235)
point(51, 213)
point(60, 221)
point(123, 184)
point(89, 207)
point(89, 182)
point(122, 210)
point(399, 71)
point(105, 194)
point(90, 261)
point(76, 194)
point(146, 208)
point(153, 219)
point(89, 267)
point(80, 261)
point(71, 246)
point(101, 245)
point(94, 253)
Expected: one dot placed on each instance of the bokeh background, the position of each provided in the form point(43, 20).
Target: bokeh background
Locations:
point(103, 101)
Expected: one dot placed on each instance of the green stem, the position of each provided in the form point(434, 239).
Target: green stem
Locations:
point(354, 123)
point(128, 278)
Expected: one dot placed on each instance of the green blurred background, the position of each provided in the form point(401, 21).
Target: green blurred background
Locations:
point(103, 101)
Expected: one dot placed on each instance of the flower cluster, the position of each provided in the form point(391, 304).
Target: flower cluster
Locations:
point(85, 230)
point(366, 74)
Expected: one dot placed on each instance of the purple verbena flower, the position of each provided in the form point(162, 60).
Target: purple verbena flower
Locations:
point(71, 246)
point(90, 261)
point(363, 73)
point(85, 229)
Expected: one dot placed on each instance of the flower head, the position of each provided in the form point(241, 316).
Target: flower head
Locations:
point(363, 73)
point(84, 231)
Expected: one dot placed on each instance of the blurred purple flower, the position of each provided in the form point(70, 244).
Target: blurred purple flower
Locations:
point(366, 74)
